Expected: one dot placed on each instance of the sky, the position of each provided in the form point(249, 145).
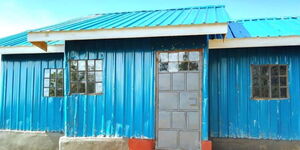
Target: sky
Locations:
point(21, 15)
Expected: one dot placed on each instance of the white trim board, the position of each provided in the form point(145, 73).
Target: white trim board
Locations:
point(179, 30)
point(254, 42)
point(213, 44)
point(32, 49)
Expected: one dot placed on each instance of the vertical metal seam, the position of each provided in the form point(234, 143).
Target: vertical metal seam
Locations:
point(12, 98)
point(2, 90)
point(66, 91)
point(124, 92)
point(41, 73)
point(205, 94)
point(143, 93)
point(133, 97)
point(114, 99)
point(25, 102)
point(4, 97)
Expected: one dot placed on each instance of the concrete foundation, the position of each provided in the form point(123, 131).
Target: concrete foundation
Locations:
point(98, 143)
point(18, 140)
point(251, 144)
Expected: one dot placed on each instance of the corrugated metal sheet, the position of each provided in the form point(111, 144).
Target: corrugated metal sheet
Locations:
point(20, 39)
point(150, 18)
point(22, 105)
point(168, 17)
point(127, 107)
point(264, 27)
point(234, 114)
point(205, 96)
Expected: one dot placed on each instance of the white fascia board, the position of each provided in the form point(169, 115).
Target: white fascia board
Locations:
point(254, 42)
point(32, 49)
point(180, 30)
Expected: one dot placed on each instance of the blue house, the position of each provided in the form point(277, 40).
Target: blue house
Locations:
point(185, 78)
point(253, 85)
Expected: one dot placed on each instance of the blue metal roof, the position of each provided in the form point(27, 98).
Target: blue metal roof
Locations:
point(264, 27)
point(20, 39)
point(168, 17)
point(150, 18)
point(15, 40)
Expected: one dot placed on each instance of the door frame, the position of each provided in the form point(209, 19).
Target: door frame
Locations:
point(201, 50)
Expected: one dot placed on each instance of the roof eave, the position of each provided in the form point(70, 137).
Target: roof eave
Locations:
point(37, 38)
point(254, 42)
point(59, 48)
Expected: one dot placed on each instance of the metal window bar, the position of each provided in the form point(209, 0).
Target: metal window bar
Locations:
point(86, 82)
point(49, 82)
point(44, 81)
point(270, 86)
point(179, 61)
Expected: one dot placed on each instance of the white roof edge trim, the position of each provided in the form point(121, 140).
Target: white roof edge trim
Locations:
point(180, 30)
point(254, 42)
point(32, 49)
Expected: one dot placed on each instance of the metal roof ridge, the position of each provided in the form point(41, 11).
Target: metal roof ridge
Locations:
point(96, 15)
point(180, 8)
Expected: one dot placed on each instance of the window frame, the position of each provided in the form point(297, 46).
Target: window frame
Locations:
point(86, 71)
point(270, 82)
point(158, 61)
point(56, 78)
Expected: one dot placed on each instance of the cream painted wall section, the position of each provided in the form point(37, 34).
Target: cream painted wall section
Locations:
point(254, 42)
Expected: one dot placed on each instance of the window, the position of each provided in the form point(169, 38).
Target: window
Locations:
point(179, 61)
point(86, 77)
point(269, 81)
point(53, 82)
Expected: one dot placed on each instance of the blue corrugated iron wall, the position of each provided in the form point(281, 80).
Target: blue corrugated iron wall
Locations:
point(23, 106)
point(233, 114)
point(127, 107)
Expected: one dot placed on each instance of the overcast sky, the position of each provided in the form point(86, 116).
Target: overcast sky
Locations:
point(20, 15)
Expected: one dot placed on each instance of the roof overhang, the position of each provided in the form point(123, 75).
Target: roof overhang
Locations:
point(254, 42)
point(32, 49)
point(213, 44)
point(39, 38)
